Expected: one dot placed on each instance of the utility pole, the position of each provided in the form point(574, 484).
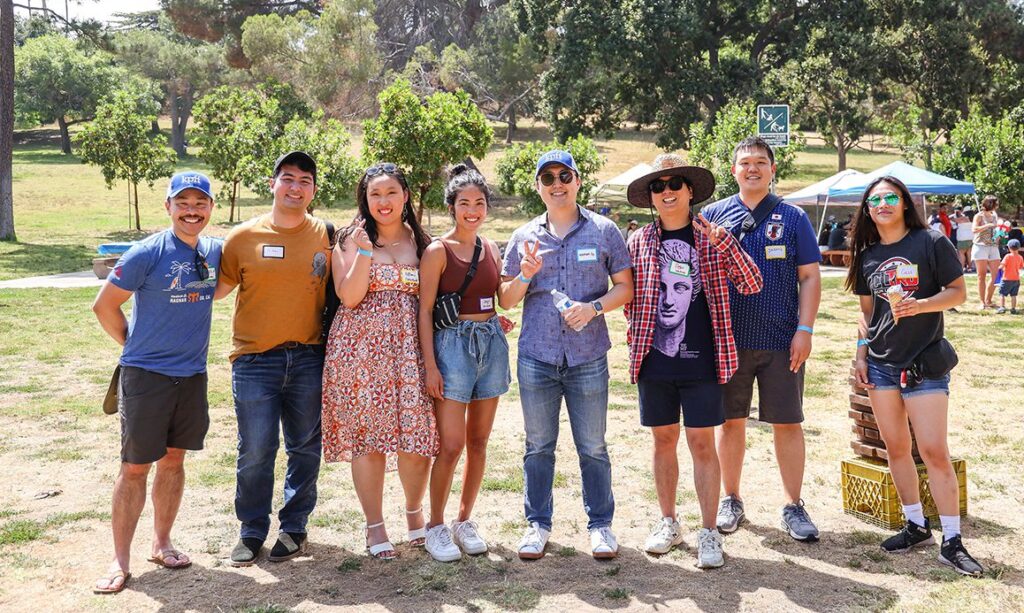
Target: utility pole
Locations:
point(6, 120)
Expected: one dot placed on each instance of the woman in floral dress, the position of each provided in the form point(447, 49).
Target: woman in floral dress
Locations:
point(376, 411)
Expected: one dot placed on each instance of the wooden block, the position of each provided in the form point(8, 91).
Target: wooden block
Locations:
point(863, 416)
point(860, 400)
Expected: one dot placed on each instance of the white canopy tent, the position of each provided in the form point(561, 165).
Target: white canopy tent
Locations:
point(613, 191)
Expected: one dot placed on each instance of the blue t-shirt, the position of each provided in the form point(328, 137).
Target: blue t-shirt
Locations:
point(169, 329)
point(684, 347)
point(781, 243)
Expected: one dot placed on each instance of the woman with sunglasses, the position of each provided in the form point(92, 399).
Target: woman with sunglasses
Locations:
point(376, 410)
point(466, 364)
point(906, 276)
point(681, 348)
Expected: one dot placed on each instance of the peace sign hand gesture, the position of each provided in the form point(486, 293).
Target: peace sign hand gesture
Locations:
point(714, 232)
point(532, 261)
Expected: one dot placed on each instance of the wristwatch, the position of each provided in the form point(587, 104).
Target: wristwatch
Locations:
point(597, 306)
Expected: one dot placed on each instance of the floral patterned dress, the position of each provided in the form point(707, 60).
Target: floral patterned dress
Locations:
point(374, 398)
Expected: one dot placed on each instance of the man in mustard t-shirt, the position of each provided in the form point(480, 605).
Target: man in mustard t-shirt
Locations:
point(280, 263)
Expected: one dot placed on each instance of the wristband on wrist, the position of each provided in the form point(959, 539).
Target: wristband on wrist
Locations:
point(806, 329)
point(861, 342)
point(365, 252)
point(524, 279)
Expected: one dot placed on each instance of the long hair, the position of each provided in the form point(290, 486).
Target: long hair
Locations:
point(865, 232)
point(365, 219)
point(461, 176)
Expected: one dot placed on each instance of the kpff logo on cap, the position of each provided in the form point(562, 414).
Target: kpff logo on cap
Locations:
point(189, 179)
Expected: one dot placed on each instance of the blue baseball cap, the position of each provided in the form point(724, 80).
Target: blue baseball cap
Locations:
point(189, 179)
point(556, 156)
point(1013, 244)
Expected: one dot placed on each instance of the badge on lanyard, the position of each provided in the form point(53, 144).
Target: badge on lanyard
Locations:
point(273, 251)
point(679, 268)
point(410, 275)
point(586, 254)
point(775, 252)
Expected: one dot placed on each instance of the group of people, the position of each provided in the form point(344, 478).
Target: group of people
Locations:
point(408, 371)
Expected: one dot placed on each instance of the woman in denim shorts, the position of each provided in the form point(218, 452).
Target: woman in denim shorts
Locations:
point(906, 276)
point(467, 365)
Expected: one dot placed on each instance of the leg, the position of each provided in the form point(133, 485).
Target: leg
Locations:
point(928, 415)
point(414, 473)
point(789, 453)
point(732, 447)
point(887, 405)
point(993, 269)
point(479, 423)
point(300, 420)
point(368, 479)
point(586, 399)
point(982, 281)
point(540, 392)
point(706, 473)
point(168, 485)
point(128, 501)
point(666, 467)
point(451, 429)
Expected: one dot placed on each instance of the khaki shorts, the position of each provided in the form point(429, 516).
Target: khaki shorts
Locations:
point(780, 392)
point(158, 412)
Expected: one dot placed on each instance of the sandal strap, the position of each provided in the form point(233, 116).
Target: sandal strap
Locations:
point(415, 511)
point(377, 525)
point(379, 548)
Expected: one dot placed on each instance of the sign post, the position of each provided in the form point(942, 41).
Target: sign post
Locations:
point(773, 124)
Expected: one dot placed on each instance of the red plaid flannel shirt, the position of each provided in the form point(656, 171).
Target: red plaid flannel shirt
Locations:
point(719, 264)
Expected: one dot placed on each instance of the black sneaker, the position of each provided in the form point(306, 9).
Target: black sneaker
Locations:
point(952, 553)
point(245, 552)
point(910, 536)
point(288, 546)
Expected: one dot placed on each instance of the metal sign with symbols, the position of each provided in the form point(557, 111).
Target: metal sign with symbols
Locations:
point(773, 124)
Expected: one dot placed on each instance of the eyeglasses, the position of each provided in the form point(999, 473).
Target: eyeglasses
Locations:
point(889, 198)
point(565, 177)
point(202, 268)
point(675, 184)
point(385, 168)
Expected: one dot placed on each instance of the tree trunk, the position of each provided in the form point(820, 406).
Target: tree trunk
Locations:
point(234, 196)
point(419, 208)
point(511, 124)
point(6, 120)
point(177, 139)
point(65, 137)
point(839, 139)
point(135, 192)
point(154, 127)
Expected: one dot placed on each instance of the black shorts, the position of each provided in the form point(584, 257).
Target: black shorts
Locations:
point(661, 402)
point(780, 391)
point(158, 412)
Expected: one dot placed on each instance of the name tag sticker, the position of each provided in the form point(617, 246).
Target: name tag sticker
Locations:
point(906, 272)
point(273, 251)
point(586, 254)
point(775, 252)
point(680, 268)
point(410, 276)
point(486, 304)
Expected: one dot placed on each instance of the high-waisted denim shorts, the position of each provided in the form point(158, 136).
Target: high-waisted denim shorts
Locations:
point(886, 377)
point(473, 359)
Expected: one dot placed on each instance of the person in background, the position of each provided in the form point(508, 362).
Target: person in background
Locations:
point(1011, 265)
point(964, 236)
point(985, 251)
point(630, 229)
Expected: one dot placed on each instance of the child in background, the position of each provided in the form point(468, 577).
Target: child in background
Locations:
point(1010, 269)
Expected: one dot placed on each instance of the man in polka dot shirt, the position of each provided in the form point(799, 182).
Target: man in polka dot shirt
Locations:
point(773, 331)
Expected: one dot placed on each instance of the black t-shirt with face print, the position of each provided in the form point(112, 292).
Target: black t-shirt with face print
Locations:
point(920, 265)
point(684, 347)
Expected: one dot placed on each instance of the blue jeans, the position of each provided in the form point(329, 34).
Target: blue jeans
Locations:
point(280, 386)
point(542, 387)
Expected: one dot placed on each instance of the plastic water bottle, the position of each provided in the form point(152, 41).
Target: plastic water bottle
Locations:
point(562, 302)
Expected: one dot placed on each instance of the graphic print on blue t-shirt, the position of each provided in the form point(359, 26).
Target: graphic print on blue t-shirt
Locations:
point(683, 347)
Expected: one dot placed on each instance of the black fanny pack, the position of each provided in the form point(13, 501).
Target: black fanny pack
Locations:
point(934, 362)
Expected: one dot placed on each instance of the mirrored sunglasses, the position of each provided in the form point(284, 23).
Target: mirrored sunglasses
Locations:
point(877, 200)
point(547, 179)
point(385, 168)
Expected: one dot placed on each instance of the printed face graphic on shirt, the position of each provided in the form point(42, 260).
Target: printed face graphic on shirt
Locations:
point(894, 271)
point(679, 287)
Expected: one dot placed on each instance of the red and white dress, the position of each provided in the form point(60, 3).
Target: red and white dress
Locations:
point(374, 396)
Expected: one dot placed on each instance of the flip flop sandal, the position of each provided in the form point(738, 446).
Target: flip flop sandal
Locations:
point(160, 559)
point(380, 550)
point(111, 578)
point(418, 536)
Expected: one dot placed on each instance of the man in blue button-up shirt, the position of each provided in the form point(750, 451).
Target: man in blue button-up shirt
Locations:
point(563, 354)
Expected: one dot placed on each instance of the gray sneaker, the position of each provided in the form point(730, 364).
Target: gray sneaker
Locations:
point(797, 522)
point(730, 515)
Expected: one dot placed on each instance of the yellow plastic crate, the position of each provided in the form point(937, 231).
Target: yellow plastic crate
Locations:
point(870, 494)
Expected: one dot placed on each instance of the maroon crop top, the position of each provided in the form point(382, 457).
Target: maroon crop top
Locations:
point(479, 296)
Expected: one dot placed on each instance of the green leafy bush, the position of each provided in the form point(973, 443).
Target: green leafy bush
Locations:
point(516, 167)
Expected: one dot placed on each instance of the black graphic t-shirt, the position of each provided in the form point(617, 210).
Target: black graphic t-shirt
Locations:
point(683, 343)
point(919, 266)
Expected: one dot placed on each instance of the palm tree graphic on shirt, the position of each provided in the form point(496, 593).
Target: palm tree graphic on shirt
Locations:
point(177, 270)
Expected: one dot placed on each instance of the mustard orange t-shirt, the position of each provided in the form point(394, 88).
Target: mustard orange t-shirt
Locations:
point(1011, 265)
point(282, 275)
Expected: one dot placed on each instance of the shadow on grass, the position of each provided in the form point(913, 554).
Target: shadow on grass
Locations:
point(29, 259)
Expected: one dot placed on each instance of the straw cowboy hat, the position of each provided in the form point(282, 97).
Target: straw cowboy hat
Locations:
point(700, 180)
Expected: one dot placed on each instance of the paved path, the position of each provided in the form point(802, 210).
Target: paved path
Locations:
point(85, 278)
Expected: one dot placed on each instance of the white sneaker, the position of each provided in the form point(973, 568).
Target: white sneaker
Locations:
point(665, 535)
point(603, 544)
point(440, 546)
point(535, 539)
point(465, 535)
point(709, 549)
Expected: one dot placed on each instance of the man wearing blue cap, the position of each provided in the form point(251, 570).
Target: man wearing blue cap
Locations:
point(564, 344)
point(162, 387)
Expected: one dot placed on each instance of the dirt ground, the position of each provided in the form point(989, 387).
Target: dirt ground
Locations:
point(74, 450)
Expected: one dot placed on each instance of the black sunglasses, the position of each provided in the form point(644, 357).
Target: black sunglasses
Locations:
point(675, 184)
point(547, 179)
point(385, 168)
point(202, 268)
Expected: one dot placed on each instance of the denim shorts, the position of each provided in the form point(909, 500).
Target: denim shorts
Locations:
point(1009, 288)
point(886, 377)
point(473, 359)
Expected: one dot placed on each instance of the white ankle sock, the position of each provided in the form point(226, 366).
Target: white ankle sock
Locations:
point(915, 513)
point(950, 526)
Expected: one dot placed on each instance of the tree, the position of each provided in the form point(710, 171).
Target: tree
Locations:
point(405, 25)
point(6, 121)
point(424, 136)
point(120, 143)
point(518, 164)
point(330, 59)
point(56, 81)
point(712, 148)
